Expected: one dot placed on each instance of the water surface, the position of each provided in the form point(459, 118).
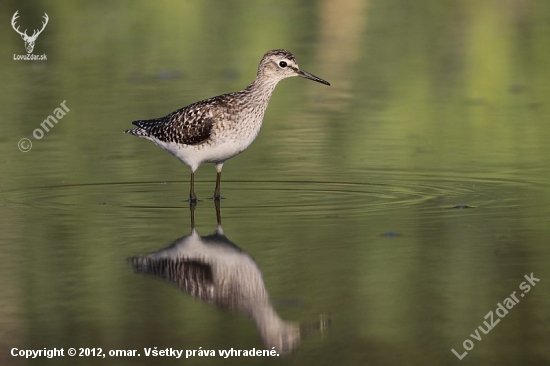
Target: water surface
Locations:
point(387, 214)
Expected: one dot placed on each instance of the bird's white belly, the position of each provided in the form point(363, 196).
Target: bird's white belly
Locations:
point(216, 150)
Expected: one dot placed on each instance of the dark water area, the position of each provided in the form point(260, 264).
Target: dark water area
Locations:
point(379, 221)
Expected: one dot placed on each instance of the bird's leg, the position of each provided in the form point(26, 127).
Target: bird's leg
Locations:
point(192, 206)
point(219, 229)
point(218, 212)
point(192, 195)
point(217, 194)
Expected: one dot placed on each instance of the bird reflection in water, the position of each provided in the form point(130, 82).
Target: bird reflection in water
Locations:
point(215, 270)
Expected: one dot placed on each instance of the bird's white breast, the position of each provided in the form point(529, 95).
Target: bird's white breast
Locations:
point(228, 139)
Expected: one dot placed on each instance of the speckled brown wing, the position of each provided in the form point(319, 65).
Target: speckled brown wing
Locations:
point(189, 126)
point(192, 276)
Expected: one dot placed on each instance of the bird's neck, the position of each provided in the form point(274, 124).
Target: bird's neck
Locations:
point(275, 332)
point(262, 88)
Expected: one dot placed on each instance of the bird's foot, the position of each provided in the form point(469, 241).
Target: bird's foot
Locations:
point(217, 198)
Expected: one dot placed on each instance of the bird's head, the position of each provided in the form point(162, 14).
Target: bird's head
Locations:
point(281, 64)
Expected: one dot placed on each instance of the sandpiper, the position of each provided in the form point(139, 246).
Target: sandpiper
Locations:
point(216, 129)
point(215, 270)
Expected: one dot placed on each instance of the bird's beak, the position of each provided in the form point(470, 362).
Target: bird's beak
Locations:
point(309, 76)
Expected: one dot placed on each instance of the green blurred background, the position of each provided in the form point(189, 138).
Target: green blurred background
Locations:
point(345, 200)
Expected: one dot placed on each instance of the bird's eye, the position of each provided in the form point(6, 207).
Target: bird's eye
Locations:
point(282, 64)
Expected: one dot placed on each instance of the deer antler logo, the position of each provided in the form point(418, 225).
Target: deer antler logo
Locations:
point(29, 41)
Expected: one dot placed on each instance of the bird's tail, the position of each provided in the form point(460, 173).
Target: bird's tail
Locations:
point(144, 127)
point(139, 131)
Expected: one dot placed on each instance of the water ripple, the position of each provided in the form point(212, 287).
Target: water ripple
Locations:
point(386, 191)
